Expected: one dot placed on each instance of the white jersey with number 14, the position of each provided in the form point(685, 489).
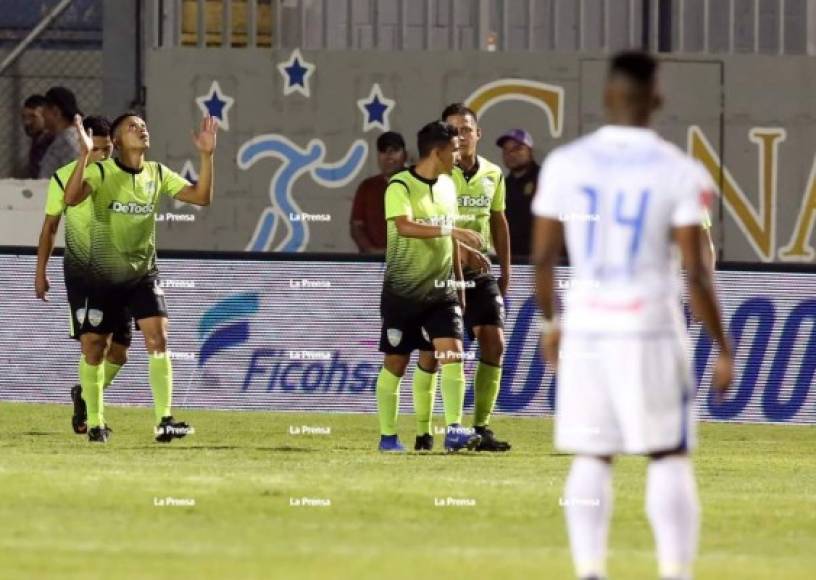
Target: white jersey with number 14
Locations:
point(619, 192)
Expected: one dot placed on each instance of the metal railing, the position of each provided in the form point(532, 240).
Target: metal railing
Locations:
point(723, 26)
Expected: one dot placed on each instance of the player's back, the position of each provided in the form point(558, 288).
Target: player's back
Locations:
point(619, 192)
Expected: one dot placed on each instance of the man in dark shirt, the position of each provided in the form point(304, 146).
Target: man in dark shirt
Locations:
point(368, 210)
point(521, 181)
point(34, 127)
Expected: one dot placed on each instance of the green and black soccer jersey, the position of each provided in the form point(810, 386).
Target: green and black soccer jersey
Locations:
point(478, 193)
point(420, 270)
point(78, 220)
point(123, 231)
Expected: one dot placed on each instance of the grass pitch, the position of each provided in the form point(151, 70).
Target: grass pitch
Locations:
point(70, 509)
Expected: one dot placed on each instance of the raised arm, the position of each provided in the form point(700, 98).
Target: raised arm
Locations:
point(202, 192)
point(76, 190)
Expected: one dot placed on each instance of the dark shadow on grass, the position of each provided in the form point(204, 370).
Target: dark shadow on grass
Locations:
point(222, 448)
point(41, 433)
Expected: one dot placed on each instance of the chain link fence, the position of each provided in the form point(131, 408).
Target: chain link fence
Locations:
point(34, 73)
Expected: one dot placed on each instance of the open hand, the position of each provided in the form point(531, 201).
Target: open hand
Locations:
point(85, 138)
point(204, 140)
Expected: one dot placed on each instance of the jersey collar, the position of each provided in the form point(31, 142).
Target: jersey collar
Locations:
point(418, 177)
point(473, 170)
point(127, 169)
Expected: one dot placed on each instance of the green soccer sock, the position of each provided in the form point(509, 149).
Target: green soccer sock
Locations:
point(91, 377)
point(453, 391)
point(111, 370)
point(388, 401)
point(424, 389)
point(161, 383)
point(486, 390)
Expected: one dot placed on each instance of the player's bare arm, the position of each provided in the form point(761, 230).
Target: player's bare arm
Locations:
point(409, 228)
point(548, 238)
point(457, 272)
point(709, 251)
point(704, 301)
point(500, 232)
point(76, 190)
point(44, 248)
point(202, 192)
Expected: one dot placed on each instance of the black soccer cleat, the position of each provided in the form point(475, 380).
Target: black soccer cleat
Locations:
point(424, 442)
point(169, 429)
point(99, 434)
point(489, 441)
point(79, 420)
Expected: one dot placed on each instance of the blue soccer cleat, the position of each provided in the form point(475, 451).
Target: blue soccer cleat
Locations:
point(390, 444)
point(458, 437)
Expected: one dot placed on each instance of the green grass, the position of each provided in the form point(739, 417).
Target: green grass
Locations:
point(69, 509)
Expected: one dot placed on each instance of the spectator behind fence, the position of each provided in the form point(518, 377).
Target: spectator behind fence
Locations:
point(522, 178)
point(368, 211)
point(60, 109)
point(33, 116)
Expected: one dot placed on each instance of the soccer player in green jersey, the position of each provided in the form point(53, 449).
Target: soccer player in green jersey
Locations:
point(122, 276)
point(419, 305)
point(77, 253)
point(480, 190)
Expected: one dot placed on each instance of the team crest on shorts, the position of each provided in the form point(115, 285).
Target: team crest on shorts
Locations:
point(425, 334)
point(500, 302)
point(458, 310)
point(157, 289)
point(394, 336)
point(80, 315)
point(94, 316)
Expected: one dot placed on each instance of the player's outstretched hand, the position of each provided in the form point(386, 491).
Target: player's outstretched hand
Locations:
point(467, 237)
point(474, 259)
point(204, 140)
point(723, 375)
point(550, 344)
point(85, 137)
point(41, 286)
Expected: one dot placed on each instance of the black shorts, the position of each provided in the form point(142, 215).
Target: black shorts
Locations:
point(408, 326)
point(108, 309)
point(484, 304)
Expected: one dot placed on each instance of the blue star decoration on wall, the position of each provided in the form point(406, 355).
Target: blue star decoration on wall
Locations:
point(216, 104)
point(376, 110)
point(296, 73)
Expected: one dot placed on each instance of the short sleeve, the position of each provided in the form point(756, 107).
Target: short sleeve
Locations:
point(171, 182)
point(550, 189)
point(695, 195)
point(397, 202)
point(55, 198)
point(499, 195)
point(94, 175)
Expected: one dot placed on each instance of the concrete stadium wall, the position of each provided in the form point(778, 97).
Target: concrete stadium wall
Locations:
point(289, 149)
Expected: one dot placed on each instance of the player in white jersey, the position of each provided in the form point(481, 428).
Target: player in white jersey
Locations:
point(625, 201)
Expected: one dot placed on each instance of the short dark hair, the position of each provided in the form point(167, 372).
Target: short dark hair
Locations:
point(390, 140)
point(118, 121)
point(636, 66)
point(98, 125)
point(434, 135)
point(460, 110)
point(34, 101)
point(64, 100)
